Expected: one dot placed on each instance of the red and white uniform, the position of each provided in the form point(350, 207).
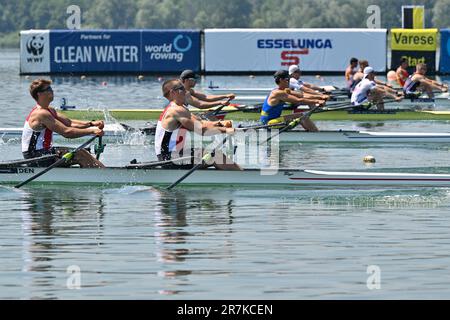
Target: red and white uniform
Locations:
point(167, 141)
point(37, 140)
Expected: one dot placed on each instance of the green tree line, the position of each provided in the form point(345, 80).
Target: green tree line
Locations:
point(16, 15)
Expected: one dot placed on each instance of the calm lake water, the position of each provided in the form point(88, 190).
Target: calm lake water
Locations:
point(136, 242)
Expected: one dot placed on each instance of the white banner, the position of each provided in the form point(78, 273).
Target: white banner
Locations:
point(315, 50)
point(35, 51)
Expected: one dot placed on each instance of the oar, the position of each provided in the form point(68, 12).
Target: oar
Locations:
point(293, 123)
point(65, 158)
point(99, 148)
point(216, 111)
point(205, 158)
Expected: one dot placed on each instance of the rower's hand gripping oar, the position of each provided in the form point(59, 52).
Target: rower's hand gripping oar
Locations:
point(204, 159)
point(65, 158)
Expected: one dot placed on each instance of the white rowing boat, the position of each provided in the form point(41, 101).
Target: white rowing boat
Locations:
point(282, 177)
point(117, 132)
point(252, 91)
point(422, 103)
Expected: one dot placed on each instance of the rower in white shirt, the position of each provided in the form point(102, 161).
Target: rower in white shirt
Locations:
point(367, 90)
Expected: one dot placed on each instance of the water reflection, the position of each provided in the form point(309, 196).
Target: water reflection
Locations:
point(176, 217)
point(51, 219)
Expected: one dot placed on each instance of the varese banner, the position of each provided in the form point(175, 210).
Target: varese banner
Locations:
point(247, 50)
point(416, 45)
point(76, 51)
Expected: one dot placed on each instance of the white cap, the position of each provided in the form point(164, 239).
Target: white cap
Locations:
point(368, 70)
point(293, 68)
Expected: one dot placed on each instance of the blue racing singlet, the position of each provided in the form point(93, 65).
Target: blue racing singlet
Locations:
point(410, 86)
point(269, 112)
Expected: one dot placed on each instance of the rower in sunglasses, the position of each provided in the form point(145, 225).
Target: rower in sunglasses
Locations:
point(200, 100)
point(43, 120)
point(278, 98)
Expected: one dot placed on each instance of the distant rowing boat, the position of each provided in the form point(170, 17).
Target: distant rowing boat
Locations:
point(282, 177)
point(254, 115)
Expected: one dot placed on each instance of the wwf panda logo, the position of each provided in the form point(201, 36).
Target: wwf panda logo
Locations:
point(35, 45)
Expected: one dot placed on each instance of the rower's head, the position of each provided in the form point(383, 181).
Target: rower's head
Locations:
point(188, 78)
point(404, 63)
point(282, 78)
point(294, 71)
point(41, 91)
point(363, 64)
point(353, 62)
point(369, 73)
point(421, 68)
point(174, 90)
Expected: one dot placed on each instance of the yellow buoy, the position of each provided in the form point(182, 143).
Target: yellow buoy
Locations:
point(83, 77)
point(251, 76)
point(141, 77)
point(370, 159)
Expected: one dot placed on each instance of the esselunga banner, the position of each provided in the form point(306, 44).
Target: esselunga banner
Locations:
point(77, 51)
point(318, 50)
point(416, 45)
point(444, 61)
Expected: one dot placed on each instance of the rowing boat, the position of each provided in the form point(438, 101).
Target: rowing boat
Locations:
point(117, 132)
point(253, 115)
point(419, 103)
point(282, 177)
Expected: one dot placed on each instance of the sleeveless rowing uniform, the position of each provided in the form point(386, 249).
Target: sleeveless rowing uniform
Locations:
point(269, 112)
point(361, 92)
point(295, 84)
point(36, 143)
point(403, 77)
point(167, 141)
point(351, 81)
point(410, 86)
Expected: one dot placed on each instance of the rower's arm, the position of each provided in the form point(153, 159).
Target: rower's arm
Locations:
point(211, 98)
point(191, 123)
point(193, 101)
point(74, 123)
point(434, 83)
point(311, 86)
point(66, 131)
point(283, 96)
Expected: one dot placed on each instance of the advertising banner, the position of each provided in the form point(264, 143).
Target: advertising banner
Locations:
point(35, 51)
point(416, 45)
point(84, 51)
point(444, 61)
point(318, 50)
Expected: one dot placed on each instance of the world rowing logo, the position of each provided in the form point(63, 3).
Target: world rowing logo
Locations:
point(35, 45)
point(170, 51)
point(179, 40)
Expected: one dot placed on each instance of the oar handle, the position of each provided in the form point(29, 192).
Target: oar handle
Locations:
point(65, 158)
point(205, 158)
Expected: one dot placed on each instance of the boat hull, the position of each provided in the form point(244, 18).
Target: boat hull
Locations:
point(284, 177)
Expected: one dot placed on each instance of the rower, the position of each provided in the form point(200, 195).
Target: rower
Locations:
point(309, 90)
point(417, 83)
point(367, 90)
point(43, 120)
point(277, 99)
point(174, 123)
point(359, 76)
point(200, 100)
point(350, 72)
point(402, 72)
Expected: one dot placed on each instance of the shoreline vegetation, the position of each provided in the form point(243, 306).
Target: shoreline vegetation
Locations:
point(201, 14)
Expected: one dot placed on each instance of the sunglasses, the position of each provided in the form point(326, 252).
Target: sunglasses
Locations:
point(179, 88)
point(49, 89)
